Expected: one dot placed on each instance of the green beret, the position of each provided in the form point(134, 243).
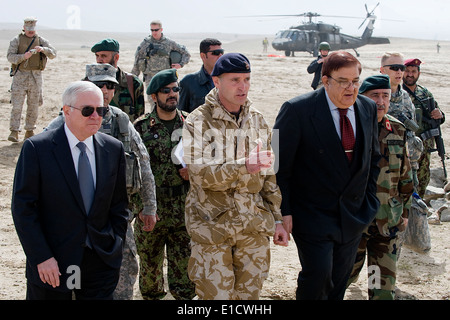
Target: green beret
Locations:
point(162, 79)
point(380, 81)
point(106, 45)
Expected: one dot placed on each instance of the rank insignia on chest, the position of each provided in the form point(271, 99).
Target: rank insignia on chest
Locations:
point(388, 125)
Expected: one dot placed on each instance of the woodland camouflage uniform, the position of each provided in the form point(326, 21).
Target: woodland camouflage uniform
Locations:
point(394, 190)
point(170, 230)
point(421, 98)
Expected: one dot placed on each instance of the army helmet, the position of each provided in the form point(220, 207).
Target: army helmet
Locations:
point(324, 46)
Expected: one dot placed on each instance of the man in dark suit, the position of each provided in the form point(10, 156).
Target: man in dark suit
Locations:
point(70, 244)
point(328, 189)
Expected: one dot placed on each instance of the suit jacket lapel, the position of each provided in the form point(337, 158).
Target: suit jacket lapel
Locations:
point(63, 156)
point(101, 165)
point(323, 123)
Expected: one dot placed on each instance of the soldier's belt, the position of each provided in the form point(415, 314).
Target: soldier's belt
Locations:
point(172, 191)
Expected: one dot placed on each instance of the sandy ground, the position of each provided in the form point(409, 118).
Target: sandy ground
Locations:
point(274, 80)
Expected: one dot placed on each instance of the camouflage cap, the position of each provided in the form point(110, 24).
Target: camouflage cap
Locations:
point(29, 23)
point(101, 72)
point(161, 79)
point(106, 45)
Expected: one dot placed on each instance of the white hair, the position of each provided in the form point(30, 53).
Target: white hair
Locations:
point(70, 94)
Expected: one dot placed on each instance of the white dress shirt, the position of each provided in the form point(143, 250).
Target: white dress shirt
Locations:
point(89, 142)
point(335, 114)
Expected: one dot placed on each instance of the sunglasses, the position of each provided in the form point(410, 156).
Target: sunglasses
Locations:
point(396, 67)
point(101, 84)
point(216, 52)
point(87, 111)
point(167, 90)
point(155, 30)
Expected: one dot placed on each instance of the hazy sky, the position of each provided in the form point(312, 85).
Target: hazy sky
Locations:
point(420, 19)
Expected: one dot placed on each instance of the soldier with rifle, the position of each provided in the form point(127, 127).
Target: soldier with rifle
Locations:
point(429, 118)
point(402, 108)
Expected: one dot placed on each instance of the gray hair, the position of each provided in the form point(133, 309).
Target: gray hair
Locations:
point(70, 94)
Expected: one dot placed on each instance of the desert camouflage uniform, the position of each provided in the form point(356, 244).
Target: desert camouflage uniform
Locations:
point(230, 213)
point(401, 106)
point(27, 81)
point(421, 103)
point(147, 198)
point(170, 231)
point(152, 56)
point(394, 190)
point(132, 103)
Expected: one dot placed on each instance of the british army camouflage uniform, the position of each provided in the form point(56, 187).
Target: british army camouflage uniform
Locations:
point(394, 190)
point(421, 98)
point(116, 123)
point(170, 230)
point(131, 102)
point(27, 80)
point(230, 213)
point(153, 56)
point(400, 107)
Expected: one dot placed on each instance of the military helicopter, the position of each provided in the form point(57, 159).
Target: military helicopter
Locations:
point(306, 37)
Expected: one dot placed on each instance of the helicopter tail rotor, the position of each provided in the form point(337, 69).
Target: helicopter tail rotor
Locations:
point(369, 14)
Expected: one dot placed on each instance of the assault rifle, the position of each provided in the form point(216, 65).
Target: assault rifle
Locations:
point(435, 132)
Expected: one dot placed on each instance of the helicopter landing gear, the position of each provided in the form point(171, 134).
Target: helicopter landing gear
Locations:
point(357, 53)
point(288, 53)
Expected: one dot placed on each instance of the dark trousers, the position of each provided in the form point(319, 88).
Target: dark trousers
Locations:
point(326, 267)
point(98, 281)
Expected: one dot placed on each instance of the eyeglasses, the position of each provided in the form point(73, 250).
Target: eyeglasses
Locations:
point(101, 84)
point(87, 111)
point(155, 30)
point(396, 67)
point(344, 84)
point(216, 52)
point(167, 90)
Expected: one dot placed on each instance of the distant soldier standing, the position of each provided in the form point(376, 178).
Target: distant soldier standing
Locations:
point(394, 189)
point(129, 93)
point(316, 66)
point(28, 53)
point(161, 133)
point(157, 52)
point(428, 109)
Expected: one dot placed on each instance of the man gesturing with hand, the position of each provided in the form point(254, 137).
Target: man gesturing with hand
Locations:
point(233, 205)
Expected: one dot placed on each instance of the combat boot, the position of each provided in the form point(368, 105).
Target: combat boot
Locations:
point(28, 134)
point(14, 136)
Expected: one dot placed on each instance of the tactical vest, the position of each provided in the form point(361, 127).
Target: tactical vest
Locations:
point(117, 127)
point(37, 61)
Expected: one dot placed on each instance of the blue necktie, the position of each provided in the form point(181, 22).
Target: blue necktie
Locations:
point(85, 178)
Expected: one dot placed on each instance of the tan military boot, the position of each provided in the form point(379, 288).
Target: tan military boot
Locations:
point(28, 134)
point(14, 136)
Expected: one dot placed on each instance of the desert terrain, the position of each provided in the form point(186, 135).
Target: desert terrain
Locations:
point(274, 80)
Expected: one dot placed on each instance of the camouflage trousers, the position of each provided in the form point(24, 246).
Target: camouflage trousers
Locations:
point(169, 234)
point(26, 84)
point(381, 263)
point(128, 269)
point(423, 174)
point(233, 270)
